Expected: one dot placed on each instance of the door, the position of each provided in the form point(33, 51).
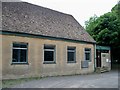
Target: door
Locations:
point(105, 59)
point(98, 58)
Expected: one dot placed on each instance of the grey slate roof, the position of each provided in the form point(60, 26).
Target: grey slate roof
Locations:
point(32, 19)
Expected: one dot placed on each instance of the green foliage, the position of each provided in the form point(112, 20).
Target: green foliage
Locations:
point(92, 23)
point(106, 28)
point(116, 9)
point(12, 82)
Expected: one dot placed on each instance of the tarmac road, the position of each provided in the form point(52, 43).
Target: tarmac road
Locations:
point(103, 80)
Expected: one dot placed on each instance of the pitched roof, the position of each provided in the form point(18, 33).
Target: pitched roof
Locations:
point(32, 19)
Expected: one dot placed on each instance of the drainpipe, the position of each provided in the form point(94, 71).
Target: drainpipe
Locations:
point(94, 57)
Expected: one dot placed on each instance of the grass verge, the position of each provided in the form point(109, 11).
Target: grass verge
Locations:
point(10, 83)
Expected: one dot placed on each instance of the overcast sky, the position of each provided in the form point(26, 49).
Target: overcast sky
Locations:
point(82, 10)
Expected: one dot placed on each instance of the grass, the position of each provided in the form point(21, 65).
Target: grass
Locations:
point(10, 83)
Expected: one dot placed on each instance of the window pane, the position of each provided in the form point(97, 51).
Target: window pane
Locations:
point(87, 56)
point(19, 54)
point(48, 55)
point(23, 46)
point(23, 55)
point(16, 45)
point(20, 45)
point(49, 46)
point(71, 53)
point(71, 48)
point(87, 49)
point(15, 55)
point(71, 56)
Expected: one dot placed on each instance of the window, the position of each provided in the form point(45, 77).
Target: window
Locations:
point(49, 54)
point(19, 53)
point(88, 54)
point(71, 54)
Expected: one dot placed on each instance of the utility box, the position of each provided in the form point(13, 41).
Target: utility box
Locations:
point(84, 64)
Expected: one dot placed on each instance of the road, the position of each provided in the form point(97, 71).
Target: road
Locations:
point(103, 80)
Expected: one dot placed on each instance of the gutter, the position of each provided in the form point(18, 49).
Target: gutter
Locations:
point(43, 37)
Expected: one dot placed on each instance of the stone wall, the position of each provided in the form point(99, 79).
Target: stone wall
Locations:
point(35, 66)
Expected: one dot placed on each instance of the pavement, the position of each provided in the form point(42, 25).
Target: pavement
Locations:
point(102, 80)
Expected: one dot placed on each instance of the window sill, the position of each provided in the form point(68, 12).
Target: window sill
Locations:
point(71, 62)
point(26, 63)
point(49, 62)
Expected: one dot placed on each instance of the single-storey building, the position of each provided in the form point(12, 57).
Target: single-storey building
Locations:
point(38, 41)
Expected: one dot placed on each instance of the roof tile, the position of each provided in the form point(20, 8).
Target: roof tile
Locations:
point(32, 19)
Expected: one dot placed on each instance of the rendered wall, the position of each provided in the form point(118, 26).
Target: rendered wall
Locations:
point(36, 67)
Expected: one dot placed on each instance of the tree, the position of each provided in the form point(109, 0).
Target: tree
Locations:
point(106, 30)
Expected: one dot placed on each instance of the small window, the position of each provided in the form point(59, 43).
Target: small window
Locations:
point(88, 54)
point(49, 54)
point(71, 54)
point(19, 54)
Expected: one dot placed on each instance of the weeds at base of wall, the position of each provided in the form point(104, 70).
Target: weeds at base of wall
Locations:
point(11, 82)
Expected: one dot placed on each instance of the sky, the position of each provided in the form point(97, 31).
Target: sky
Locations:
point(82, 10)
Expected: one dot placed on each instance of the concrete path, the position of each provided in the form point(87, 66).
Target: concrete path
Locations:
point(104, 80)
